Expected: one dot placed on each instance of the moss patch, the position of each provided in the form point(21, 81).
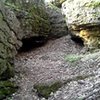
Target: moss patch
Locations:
point(73, 57)
point(6, 89)
point(45, 90)
point(91, 37)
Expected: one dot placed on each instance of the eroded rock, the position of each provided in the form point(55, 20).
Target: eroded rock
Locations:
point(91, 37)
point(57, 21)
point(13, 28)
point(9, 43)
point(83, 17)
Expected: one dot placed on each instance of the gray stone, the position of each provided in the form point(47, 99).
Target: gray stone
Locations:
point(81, 12)
point(57, 22)
point(83, 19)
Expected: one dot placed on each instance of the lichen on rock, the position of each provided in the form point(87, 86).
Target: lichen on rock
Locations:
point(84, 18)
point(33, 19)
point(6, 89)
point(57, 21)
point(46, 90)
point(13, 28)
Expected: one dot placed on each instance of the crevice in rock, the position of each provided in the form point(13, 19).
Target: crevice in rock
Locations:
point(77, 40)
point(31, 43)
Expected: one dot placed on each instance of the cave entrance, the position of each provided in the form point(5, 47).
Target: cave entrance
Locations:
point(77, 40)
point(31, 43)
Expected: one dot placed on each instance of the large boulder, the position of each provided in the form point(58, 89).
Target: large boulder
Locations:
point(32, 17)
point(57, 21)
point(16, 23)
point(83, 17)
point(10, 35)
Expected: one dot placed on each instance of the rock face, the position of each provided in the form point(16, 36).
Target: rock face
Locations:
point(17, 23)
point(10, 35)
point(83, 15)
point(9, 40)
point(57, 22)
point(34, 24)
point(33, 19)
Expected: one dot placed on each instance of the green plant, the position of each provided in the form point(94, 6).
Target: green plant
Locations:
point(73, 57)
point(45, 90)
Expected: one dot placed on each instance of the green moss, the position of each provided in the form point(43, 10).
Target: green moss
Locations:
point(54, 7)
point(73, 57)
point(45, 90)
point(34, 19)
point(11, 5)
point(6, 89)
point(6, 69)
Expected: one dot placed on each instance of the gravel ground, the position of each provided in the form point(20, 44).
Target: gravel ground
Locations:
point(47, 64)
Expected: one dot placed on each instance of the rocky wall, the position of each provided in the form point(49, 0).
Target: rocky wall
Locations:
point(83, 19)
point(16, 23)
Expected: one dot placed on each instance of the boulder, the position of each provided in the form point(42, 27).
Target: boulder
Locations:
point(57, 21)
point(9, 40)
point(32, 17)
point(10, 35)
point(83, 17)
point(57, 3)
point(14, 27)
point(17, 23)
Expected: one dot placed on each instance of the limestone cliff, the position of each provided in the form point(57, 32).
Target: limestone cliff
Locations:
point(83, 19)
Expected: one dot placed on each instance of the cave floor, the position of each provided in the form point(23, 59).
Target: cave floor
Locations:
point(47, 64)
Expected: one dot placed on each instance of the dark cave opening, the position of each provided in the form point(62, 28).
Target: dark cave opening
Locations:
point(77, 40)
point(31, 43)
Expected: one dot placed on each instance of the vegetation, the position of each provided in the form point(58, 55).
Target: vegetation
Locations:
point(73, 57)
point(46, 90)
point(32, 19)
point(6, 88)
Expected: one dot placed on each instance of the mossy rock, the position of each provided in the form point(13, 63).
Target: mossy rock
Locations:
point(58, 3)
point(6, 70)
point(46, 90)
point(7, 88)
point(36, 22)
point(91, 37)
point(33, 19)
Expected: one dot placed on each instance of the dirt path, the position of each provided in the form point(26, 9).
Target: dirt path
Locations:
point(44, 65)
